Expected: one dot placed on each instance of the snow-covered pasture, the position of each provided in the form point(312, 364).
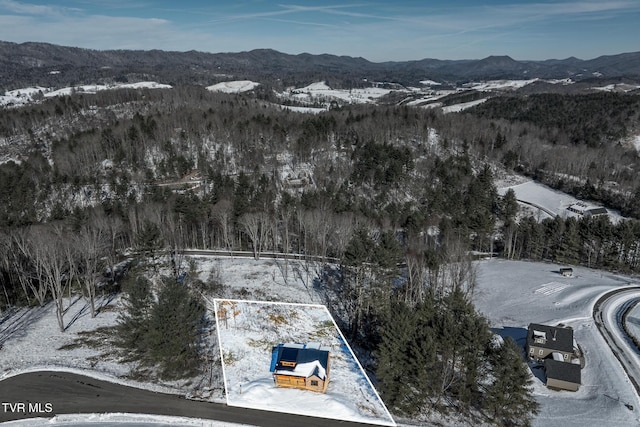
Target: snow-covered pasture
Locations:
point(19, 97)
point(236, 86)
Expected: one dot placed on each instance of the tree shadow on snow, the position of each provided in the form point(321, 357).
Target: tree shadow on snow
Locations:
point(17, 322)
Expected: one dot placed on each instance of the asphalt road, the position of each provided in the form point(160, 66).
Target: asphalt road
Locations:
point(55, 393)
point(616, 302)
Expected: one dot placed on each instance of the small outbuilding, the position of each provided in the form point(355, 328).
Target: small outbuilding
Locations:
point(303, 366)
point(562, 375)
point(566, 271)
point(595, 212)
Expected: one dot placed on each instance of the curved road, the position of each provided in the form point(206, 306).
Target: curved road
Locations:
point(69, 393)
point(608, 314)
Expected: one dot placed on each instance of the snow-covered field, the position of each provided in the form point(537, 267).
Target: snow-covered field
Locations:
point(237, 86)
point(463, 106)
point(29, 95)
point(512, 294)
point(320, 91)
point(551, 201)
point(247, 336)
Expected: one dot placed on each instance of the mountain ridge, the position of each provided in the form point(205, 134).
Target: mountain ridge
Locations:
point(33, 62)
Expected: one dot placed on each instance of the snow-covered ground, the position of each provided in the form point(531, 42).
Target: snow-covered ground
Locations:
point(456, 108)
point(551, 201)
point(30, 340)
point(20, 96)
point(29, 95)
point(617, 87)
point(312, 110)
point(500, 84)
point(320, 91)
point(247, 335)
point(118, 420)
point(237, 86)
point(512, 294)
point(636, 143)
point(633, 321)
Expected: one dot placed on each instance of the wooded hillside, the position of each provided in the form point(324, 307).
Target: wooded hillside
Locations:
point(400, 196)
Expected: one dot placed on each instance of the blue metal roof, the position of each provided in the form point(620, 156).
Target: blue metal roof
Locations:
point(298, 353)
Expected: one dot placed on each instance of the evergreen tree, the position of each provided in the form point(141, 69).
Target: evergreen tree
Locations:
point(149, 239)
point(175, 325)
point(509, 206)
point(481, 203)
point(569, 249)
point(133, 322)
point(393, 358)
point(508, 399)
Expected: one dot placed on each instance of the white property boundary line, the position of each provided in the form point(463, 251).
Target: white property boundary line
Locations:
point(316, 306)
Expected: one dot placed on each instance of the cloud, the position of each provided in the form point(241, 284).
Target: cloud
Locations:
point(288, 9)
point(33, 9)
point(98, 32)
point(378, 31)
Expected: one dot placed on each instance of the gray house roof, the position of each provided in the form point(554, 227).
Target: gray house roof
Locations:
point(544, 336)
point(596, 211)
point(563, 371)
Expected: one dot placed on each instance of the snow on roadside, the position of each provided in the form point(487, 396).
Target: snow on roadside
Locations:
point(31, 341)
point(119, 420)
point(632, 321)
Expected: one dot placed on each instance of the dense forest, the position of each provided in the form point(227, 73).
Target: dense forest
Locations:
point(388, 191)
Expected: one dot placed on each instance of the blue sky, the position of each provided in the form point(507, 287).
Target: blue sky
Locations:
point(378, 30)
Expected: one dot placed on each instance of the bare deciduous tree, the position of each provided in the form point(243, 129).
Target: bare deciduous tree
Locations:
point(222, 212)
point(21, 264)
point(255, 226)
point(51, 255)
point(91, 246)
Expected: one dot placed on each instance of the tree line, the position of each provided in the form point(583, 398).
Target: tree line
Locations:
point(370, 186)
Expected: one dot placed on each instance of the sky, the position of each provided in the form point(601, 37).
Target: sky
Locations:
point(378, 30)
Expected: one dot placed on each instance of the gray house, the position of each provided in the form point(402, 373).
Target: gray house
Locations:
point(543, 340)
point(562, 375)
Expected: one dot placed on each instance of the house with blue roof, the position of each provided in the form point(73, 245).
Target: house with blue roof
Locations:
point(303, 366)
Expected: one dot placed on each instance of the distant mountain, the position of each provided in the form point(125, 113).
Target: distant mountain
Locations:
point(45, 64)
